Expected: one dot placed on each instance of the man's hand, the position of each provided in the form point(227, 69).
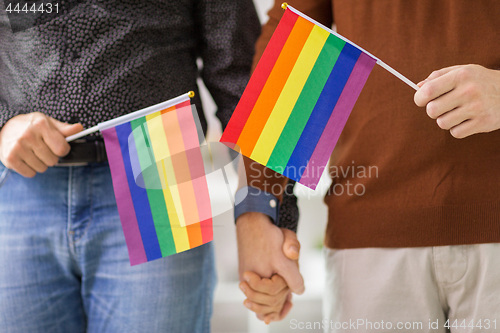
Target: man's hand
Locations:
point(270, 298)
point(30, 143)
point(262, 247)
point(463, 99)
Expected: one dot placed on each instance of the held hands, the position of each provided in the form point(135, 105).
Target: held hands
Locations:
point(463, 99)
point(271, 253)
point(30, 143)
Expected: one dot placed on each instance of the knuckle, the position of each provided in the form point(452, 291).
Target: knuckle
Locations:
point(253, 283)
point(53, 161)
point(464, 73)
point(27, 135)
point(10, 161)
point(39, 121)
point(470, 91)
point(17, 147)
point(61, 150)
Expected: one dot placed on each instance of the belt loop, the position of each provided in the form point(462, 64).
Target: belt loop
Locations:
point(99, 150)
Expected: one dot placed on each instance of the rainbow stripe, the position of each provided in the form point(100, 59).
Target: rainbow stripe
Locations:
point(169, 211)
point(298, 100)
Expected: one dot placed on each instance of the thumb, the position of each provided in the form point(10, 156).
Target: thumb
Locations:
point(290, 272)
point(65, 128)
point(291, 245)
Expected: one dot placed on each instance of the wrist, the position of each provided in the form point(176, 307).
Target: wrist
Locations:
point(253, 200)
point(252, 218)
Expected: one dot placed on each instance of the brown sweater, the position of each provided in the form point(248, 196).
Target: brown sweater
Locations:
point(420, 186)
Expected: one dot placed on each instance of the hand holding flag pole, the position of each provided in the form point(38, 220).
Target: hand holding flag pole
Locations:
point(391, 70)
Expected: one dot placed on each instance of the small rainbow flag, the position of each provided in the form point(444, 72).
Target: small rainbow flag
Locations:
point(159, 180)
point(299, 98)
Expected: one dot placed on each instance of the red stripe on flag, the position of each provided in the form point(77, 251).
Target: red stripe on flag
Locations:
point(274, 86)
point(259, 79)
point(207, 231)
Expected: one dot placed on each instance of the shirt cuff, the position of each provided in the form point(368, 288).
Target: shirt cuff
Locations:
point(251, 199)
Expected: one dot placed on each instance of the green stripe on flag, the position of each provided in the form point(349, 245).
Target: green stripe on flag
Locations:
point(305, 104)
point(155, 193)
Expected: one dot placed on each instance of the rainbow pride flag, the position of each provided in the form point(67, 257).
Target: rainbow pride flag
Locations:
point(299, 98)
point(159, 181)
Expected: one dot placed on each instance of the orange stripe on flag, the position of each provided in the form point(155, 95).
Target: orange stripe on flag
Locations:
point(274, 85)
point(194, 234)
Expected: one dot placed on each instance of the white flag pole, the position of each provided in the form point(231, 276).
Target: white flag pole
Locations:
point(132, 116)
point(397, 74)
point(82, 133)
point(379, 62)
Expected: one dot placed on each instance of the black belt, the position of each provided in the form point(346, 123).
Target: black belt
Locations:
point(85, 151)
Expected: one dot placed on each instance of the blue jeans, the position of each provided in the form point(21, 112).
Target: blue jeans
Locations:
point(64, 264)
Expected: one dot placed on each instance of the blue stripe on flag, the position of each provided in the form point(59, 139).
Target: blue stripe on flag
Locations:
point(140, 198)
point(322, 112)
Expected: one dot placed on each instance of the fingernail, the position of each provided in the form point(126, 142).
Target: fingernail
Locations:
point(243, 289)
point(246, 304)
point(294, 249)
point(246, 278)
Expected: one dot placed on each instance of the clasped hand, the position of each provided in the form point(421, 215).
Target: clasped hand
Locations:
point(268, 266)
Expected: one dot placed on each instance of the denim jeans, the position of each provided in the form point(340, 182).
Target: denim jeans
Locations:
point(64, 264)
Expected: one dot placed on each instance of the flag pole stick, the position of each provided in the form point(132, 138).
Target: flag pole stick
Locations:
point(391, 70)
point(82, 133)
point(132, 116)
point(397, 74)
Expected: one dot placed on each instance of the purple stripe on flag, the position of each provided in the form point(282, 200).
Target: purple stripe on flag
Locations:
point(124, 202)
point(337, 121)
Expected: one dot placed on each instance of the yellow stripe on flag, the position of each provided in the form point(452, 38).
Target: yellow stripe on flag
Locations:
point(161, 152)
point(179, 232)
point(289, 95)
